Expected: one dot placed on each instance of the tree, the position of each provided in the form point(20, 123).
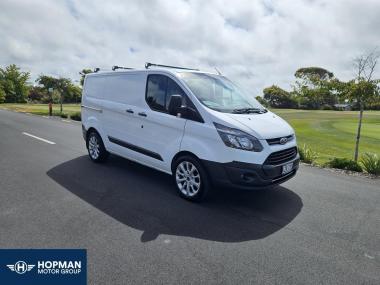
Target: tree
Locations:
point(363, 89)
point(62, 86)
point(313, 74)
point(83, 74)
point(38, 94)
point(74, 93)
point(278, 97)
point(14, 83)
point(47, 82)
point(2, 95)
point(262, 101)
point(313, 88)
point(68, 92)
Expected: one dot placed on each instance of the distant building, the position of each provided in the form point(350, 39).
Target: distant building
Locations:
point(343, 107)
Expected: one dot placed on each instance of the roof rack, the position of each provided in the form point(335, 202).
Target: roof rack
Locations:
point(217, 70)
point(149, 64)
point(120, 67)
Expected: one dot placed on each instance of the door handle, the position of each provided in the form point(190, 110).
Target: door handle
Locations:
point(129, 111)
point(142, 114)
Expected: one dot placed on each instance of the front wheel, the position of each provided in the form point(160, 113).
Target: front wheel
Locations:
point(190, 178)
point(95, 147)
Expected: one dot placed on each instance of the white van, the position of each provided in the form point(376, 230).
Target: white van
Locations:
point(199, 127)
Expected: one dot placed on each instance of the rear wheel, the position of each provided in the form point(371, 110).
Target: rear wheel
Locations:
point(95, 147)
point(190, 178)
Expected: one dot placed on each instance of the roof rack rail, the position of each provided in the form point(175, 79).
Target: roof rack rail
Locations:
point(149, 64)
point(217, 70)
point(96, 69)
point(120, 67)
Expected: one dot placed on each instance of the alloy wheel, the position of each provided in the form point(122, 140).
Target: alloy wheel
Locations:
point(188, 178)
point(93, 147)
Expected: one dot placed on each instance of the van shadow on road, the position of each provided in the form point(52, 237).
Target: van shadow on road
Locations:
point(145, 199)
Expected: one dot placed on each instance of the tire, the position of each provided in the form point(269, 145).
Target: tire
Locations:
point(190, 178)
point(95, 147)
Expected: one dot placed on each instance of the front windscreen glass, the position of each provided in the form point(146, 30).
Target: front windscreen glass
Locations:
point(220, 94)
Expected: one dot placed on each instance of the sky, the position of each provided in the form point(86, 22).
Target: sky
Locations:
point(256, 43)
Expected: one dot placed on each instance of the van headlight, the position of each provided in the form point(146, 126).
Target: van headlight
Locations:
point(238, 139)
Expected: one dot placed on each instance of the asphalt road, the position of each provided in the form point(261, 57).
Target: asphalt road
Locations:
point(318, 228)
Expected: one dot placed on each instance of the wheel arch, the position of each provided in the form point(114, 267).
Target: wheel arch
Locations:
point(184, 153)
point(91, 129)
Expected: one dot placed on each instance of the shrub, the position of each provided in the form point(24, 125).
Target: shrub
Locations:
point(327, 107)
point(2, 95)
point(307, 155)
point(76, 116)
point(262, 101)
point(371, 163)
point(64, 115)
point(344, 163)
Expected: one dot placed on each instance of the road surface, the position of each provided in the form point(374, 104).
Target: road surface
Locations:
point(318, 228)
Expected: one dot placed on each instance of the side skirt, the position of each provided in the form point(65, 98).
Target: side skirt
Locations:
point(135, 148)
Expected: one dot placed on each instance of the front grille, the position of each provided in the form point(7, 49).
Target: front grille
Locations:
point(277, 140)
point(281, 156)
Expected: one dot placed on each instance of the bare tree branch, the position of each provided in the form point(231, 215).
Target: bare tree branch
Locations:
point(365, 65)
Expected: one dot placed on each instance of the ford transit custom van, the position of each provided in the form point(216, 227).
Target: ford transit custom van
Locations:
point(199, 127)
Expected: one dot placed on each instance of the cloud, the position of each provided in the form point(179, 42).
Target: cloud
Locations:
point(256, 43)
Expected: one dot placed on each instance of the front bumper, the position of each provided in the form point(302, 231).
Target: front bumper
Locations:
point(248, 176)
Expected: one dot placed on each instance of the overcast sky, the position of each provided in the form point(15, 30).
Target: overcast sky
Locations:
point(255, 43)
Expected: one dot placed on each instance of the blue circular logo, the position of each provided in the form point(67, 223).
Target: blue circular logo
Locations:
point(21, 267)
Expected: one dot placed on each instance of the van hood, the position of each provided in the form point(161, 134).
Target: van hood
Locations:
point(263, 126)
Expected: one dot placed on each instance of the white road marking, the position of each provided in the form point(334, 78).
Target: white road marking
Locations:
point(67, 121)
point(369, 256)
point(38, 138)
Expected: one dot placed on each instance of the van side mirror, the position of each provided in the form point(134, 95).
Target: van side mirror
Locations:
point(175, 104)
point(187, 112)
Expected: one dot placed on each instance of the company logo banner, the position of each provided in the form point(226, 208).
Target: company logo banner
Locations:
point(43, 266)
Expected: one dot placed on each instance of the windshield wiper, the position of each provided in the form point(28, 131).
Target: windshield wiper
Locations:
point(249, 110)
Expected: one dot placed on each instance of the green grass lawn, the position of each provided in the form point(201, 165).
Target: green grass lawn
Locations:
point(41, 109)
point(332, 133)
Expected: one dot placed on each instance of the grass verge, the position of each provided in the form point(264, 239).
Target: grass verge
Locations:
point(42, 109)
point(332, 133)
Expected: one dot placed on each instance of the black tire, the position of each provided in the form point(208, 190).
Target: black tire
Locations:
point(187, 192)
point(95, 147)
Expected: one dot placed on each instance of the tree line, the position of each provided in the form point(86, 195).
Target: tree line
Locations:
point(317, 88)
point(15, 87)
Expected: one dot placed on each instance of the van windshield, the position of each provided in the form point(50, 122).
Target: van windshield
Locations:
point(219, 93)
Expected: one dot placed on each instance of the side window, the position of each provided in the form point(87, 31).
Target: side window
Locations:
point(174, 89)
point(159, 88)
point(156, 92)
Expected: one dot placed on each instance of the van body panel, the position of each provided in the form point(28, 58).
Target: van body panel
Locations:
point(258, 124)
point(203, 141)
point(254, 124)
point(161, 133)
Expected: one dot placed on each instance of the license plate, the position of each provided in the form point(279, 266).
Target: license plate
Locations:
point(287, 168)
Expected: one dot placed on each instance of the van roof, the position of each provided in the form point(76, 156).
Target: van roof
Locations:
point(172, 71)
